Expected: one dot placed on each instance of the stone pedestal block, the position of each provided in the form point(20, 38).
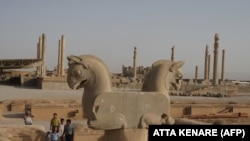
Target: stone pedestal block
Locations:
point(126, 135)
point(85, 133)
point(1, 111)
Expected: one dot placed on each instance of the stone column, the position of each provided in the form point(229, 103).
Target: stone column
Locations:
point(62, 54)
point(208, 68)
point(134, 63)
point(39, 55)
point(43, 55)
point(123, 67)
point(59, 59)
point(196, 74)
point(40, 47)
point(216, 51)
point(206, 64)
point(222, 65)
point(172, 53)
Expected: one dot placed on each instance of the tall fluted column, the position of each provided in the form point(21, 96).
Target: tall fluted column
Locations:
point(208, 68)
point(196, 74)
point(62, 54)
point(39, 55)
point(134, 63)
point(59, 59)
point(43, 55)
point(222, 65)
point(206, 64)
point(216, 51)
point(172, 53)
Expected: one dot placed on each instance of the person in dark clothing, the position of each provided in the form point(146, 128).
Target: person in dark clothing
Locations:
point(68, 131)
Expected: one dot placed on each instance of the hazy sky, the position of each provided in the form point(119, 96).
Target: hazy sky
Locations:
point(110, 29)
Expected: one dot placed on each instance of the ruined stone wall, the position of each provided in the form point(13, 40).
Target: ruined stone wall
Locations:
point(44, 109)
point(53, 83)
point(45, 112)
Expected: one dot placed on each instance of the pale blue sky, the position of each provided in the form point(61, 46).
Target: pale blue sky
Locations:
point(109, 29)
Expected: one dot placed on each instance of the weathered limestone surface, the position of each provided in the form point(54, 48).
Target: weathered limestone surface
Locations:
point(164, 75)
point(43, 67)
point(222, 65)
point(134, 63)
point(133, 105)
point(22, 133)
point(105, 109)
point(85, 133)
point(172, 53)
point(206, 64)
point(126, 135)
point(216, 53)
point(52, 83)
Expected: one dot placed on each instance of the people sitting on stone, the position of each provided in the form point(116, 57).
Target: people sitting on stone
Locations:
point(28, 118)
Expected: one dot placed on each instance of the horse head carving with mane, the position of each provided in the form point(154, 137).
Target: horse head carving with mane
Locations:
point(90, 73)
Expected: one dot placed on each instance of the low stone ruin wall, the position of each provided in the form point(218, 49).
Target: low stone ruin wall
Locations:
point(44, 109)
point(45, 112)
point(179, 110)
point(52, 83)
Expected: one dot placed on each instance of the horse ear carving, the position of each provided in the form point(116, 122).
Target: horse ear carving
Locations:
point(176, 65)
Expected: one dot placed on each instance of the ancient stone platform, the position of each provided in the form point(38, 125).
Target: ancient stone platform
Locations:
point(85, 133)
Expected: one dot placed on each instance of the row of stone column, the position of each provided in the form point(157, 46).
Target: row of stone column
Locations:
point(41, 70)
point(206, 64)
point(215, 80)
point(41, 54)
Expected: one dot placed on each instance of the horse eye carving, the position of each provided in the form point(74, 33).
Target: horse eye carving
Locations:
point(76, 73)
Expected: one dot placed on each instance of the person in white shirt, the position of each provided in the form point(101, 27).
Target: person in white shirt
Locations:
point(28, 118)
point(61, 128)
point(55, 134)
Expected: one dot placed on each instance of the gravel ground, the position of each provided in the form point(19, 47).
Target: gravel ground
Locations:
point(14, 92)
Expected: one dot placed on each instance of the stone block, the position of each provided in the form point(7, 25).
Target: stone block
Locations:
point(126, 135)
point(85, 133)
